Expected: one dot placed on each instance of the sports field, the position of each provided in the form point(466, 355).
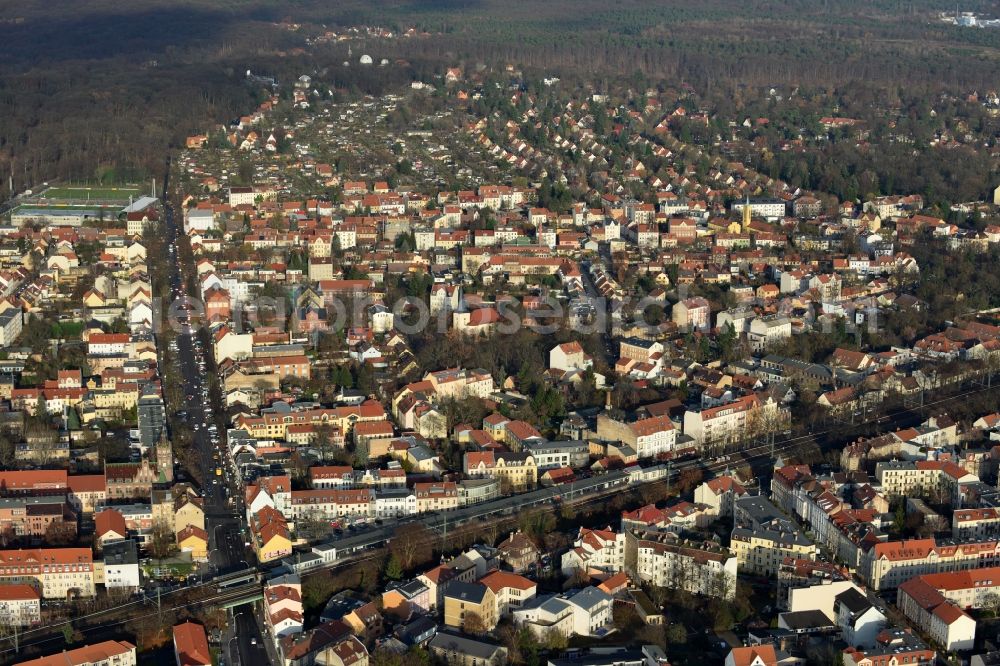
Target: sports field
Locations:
point(83, 192)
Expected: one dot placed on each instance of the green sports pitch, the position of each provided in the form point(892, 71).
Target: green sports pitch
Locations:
point(84, 192)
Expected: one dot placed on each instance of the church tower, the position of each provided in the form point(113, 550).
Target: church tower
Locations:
point(164, 455)
point(747, 215)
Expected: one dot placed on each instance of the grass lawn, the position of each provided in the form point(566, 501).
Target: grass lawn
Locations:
point(77, 192)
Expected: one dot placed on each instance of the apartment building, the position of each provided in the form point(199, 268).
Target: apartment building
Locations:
point(893, 647)
point(516, 471)
point(641, 351)
point(61, 573)
point(20, 605)
point(764, 537)
point(888, 565)
point(904, 478)
point(936, 604)
point(771, 209)
point(585, 613)
point(595, 550)
point(551, 455)
point(40, 517)
point(191, 645)
point(11, 323)
point(330, 503)
point(734, 421)
point(274, 424)
point(648, 437)
point(510, 590)
point(471, 607)
point(975, 523)
point(460, 383)
point(692, 314)
point(766, 332)
point(719, 494)
point(436, 496)
point(664, 560)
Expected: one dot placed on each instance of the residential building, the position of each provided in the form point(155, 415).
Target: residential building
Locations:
point(900, 478)
point(719, 494)
point(648, 437)
point(461, 650)
point(754, 655)
point(894, 647)
point(931, 608)
point(121, 565)
point(191, 645)
point(583, 613)
point(509, 589)
point(663, 559)
point(11, 323)
point(516, 471)
point(734, 421)
point(858, 619)
point(692, 314)
point(519, 552)
point(106, 653)
point(470, 607)
point(61, 573)
point(887, 565)
point(20, 605)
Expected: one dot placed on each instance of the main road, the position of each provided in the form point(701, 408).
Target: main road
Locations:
point(227, 535)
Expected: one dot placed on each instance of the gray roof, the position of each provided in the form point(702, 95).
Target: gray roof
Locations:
point(470, 592)
point(140, 204)
point(589, 598)
point(854, 601)
point(121, 553)
point(8, 315)
point(449, 642)
point(807, 619)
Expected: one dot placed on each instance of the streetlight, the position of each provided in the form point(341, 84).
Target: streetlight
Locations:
point(234, 657)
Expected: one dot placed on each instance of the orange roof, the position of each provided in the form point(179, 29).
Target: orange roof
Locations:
point(110, 521)
point(496, 580)
point(18, 592)
point(651, 426)
point(192, 531)
point(612, 584)
point(373, 428)
point(191, 645)
point(33, 479)
point(722, 484)
point(46, 556)
point(747, 656)
point(97, 653)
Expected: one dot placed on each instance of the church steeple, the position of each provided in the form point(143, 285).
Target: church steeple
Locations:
point(747, 215)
